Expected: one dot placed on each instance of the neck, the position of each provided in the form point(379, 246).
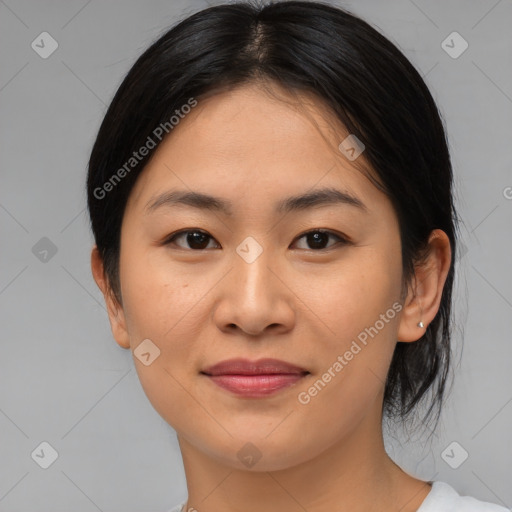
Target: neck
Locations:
point(355, 475)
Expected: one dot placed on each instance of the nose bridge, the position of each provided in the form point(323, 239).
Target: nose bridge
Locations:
point(252, 267)
point(253, 298)
point(252, 301)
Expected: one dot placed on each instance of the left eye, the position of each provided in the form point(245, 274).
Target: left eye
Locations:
point(198, 239)
point(318, 237)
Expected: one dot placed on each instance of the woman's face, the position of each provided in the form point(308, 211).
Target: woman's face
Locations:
point(253, 284)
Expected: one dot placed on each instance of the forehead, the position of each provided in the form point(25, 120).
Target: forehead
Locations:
point(254, 144)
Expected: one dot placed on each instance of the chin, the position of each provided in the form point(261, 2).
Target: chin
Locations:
point(254, 452)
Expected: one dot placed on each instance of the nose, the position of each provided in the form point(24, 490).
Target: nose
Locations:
point(255, 298)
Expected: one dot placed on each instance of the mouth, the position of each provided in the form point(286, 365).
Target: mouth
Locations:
point(253, 379)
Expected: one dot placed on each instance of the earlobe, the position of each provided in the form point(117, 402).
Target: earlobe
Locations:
point(425, 291)
point(114, 309)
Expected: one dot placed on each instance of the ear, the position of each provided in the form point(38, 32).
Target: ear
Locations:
point(114, 309)
point(426, 288)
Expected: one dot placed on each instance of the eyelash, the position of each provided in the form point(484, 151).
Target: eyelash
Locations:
point(341, 239)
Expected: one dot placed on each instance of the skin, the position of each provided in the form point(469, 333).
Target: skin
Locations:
point(295, 302)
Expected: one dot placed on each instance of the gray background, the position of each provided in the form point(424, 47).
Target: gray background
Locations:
point(64, 380)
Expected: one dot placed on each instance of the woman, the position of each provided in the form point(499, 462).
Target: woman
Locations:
point(270, 194)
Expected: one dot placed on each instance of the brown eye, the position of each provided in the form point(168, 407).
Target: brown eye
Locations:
point(318, 239)
point(196, 239)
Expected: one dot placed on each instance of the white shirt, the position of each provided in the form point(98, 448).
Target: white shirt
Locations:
point(441, 498)
point(444, 498)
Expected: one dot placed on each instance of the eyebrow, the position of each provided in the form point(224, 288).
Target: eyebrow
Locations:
point(309, 200)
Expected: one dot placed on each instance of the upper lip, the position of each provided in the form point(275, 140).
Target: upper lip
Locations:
point(247, 367)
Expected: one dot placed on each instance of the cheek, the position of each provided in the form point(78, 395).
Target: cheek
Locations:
point(352, 294)
point(159, 305)
point(359, 305)
point(159, 296)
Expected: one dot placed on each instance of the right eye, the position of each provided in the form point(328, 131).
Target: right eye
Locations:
point(196, 238)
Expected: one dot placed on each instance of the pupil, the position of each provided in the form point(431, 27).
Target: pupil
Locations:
point(197, 238)
point(317, 238)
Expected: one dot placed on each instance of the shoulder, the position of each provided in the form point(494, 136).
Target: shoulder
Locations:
point(444, 498)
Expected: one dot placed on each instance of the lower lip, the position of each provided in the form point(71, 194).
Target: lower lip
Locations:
point(256, 385)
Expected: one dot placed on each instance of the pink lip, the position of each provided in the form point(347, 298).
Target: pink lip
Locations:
point(254, 378)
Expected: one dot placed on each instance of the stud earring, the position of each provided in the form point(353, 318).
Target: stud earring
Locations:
point(420, 324)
